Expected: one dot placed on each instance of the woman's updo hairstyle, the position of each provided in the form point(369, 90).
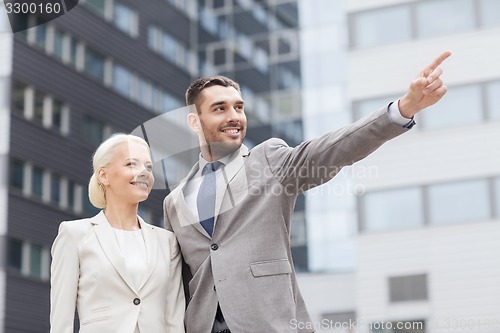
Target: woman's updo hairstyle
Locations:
point(102, 157)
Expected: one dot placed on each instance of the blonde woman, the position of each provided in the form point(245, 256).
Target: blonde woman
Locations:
point(122, 274)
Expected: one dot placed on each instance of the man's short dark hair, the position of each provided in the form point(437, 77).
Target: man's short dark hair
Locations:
point(195, 89)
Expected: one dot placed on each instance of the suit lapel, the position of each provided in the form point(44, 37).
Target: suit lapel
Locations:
point(186, 216)
point(229, 174)
point(109, 245)
point(151, 242)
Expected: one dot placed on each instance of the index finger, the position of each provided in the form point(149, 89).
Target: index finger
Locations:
point(438, 61)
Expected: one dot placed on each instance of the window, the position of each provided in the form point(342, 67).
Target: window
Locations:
point(145, 94)
point(38, 106)
point(72, 53)
point(17, 174)
point(122, 16)
point(373, 28)
point(122, 80)
point(459, 202)
point(408, 288)
point(28, 259)
point(15, 251)
point(37, 182)
point(186, 6)
point(169, 47)
point(94, 64)
point(125, 19)
point(169, 102)
point(98, 6)
point(489, 13)
point(393, 209)
point(208, 20)
point(93, 130)
point(48, 111)
point(55, 189)
point(40, 33)
point(459, 17)
point(462, 105)
point(35, 266)
point(59, 45)
point(493, 97)
point(18, 97)
point(261, 60)
point(58, 115)
point(71, 195)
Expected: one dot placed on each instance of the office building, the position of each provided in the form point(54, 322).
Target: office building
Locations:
point(425, 248)
point(108, 66)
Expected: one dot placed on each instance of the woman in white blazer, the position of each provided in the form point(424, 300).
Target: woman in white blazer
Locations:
point(122, 274)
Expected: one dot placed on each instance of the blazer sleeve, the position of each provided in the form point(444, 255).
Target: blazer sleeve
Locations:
point(316, 161)
point(63, 281)
point(176, 303)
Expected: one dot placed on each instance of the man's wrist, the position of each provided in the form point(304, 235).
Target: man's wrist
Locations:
point(397, 117)
point(405, 108)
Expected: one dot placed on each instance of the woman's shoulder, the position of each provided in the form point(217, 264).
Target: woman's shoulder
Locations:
point(79, 225)
point(160, 231)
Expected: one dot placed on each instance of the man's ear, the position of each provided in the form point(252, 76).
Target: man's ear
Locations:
point(102, 176)
point(194, 122)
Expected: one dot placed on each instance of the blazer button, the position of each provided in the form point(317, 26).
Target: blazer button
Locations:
point(137, 301)
point(214, 247)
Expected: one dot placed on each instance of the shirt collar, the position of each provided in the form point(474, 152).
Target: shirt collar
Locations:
point(224, 160)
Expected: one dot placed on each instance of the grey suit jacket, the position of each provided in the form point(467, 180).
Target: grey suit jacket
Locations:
point(89, 271)
point(247, 265)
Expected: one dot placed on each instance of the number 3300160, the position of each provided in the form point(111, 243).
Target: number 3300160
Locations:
point(32, 8)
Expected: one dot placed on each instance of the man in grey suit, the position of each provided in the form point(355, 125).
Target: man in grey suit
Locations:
point(232, 212)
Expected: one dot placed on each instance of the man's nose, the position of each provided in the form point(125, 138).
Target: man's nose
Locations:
point(233, 115)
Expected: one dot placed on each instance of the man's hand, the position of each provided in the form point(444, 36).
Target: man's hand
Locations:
point(425, 90)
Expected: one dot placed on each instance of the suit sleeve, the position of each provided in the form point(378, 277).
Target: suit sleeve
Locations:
point(176, 303)
point(316, 161)
point(166, 220)
point(63, 281)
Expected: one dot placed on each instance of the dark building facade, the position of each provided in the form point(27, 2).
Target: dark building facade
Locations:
point(108, 66)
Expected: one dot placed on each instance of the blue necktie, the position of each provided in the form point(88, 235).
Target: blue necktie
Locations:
point(206, 197)
point(206, 206)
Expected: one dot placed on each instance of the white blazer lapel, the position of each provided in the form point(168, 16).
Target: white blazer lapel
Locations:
point(151, 242)
point(109, 245)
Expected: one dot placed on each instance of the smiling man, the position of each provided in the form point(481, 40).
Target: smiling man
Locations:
point(232, 213)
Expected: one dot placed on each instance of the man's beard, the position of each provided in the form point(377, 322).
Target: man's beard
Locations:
point(220, 149)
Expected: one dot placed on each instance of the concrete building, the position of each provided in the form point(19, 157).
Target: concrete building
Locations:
point(426, 254)
point(108, 66)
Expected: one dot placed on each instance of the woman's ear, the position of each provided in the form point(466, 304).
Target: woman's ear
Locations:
point(194, 122)
point(102, 176)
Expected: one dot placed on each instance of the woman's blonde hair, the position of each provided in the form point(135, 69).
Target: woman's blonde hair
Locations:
point(101, 158)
